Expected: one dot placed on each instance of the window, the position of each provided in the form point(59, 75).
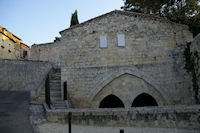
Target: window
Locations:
point(2, 43)
point(121, 40)
point(9, 48)
point(25, 53)
point(121, 131)
point(103, 42)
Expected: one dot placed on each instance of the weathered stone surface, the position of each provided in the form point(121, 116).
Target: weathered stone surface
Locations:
point(168, 117)
point(21, 75)
point(14, 112)
point(195, 49)
point(153, 54)
point(63, 128)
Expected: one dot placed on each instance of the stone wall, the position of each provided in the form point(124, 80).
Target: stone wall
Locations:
point(153, 56)
point(195, 50)
point(176, 119)
point(21, 75)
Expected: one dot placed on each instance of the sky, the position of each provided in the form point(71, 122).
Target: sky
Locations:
point(40, 21)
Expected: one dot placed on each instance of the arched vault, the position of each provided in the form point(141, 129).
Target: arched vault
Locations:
point(127, 87)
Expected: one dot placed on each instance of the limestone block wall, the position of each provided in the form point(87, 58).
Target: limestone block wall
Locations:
point(46, 52)
point(21, 75)
point(152, 55)
point(195, 49)
point(168, 119)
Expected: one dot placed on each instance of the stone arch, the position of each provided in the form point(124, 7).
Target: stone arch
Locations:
point(144, 99)
point(109, 78)
point(127, 87)
point(111, 101)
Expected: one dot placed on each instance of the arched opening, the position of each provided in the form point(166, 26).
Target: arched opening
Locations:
point(144, 100)
point(111, 101)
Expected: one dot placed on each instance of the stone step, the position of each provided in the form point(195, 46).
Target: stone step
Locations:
point(55, 90)
point(55, 93)
point(54, 78)
point(60, 107)
point(55, 86)
point(55, 81)
point(56, 99)
point(59, 104)
point(55, 74)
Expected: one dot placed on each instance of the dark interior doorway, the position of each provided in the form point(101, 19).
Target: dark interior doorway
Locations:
point(144, 100)
point(111, 101)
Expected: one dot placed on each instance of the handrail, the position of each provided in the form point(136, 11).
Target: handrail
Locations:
point(38, 87)
point(47, 91)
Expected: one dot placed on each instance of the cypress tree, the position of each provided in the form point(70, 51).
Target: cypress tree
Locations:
point(74, 19)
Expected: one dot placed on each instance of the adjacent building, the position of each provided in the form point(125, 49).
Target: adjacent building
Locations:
point(12, 46)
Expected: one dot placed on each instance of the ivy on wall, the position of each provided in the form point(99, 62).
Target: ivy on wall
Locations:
point(192, 67)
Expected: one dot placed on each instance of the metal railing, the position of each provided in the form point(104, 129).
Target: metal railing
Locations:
point(47, 92)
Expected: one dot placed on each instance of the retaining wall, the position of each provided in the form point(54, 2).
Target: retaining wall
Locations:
point(21, 75)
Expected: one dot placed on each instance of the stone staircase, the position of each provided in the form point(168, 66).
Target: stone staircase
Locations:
point(57, 101)
point(55, 90)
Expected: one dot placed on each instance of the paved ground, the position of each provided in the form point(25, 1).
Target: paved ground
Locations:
point(14, 112)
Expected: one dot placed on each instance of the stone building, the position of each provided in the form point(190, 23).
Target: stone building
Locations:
point(12, 46)
point(121, 56)
point(118, 61)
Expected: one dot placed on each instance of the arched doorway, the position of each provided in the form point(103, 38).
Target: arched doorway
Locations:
point(144, 99)
point(111, 101)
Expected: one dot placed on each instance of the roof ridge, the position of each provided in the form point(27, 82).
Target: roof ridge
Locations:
point(77, 25)
point(122, 12)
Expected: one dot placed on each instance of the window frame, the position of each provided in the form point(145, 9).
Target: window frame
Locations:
point(2, 43)
point(121, 40)
point(103, 41)
point(9, 48)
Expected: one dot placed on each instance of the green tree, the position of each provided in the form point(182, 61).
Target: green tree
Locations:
point(74, 19)
point(179, 11)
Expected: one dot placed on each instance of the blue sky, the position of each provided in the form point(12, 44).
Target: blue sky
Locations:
point(39, 21)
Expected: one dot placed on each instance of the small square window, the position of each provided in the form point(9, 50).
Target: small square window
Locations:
point(25, 53)
point(121, 131)
point(2, 42)
point(103, 42)
point(9, 47)
point(121, 40)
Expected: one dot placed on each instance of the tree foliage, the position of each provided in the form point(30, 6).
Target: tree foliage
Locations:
point(74, 19)
point(179, 11)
